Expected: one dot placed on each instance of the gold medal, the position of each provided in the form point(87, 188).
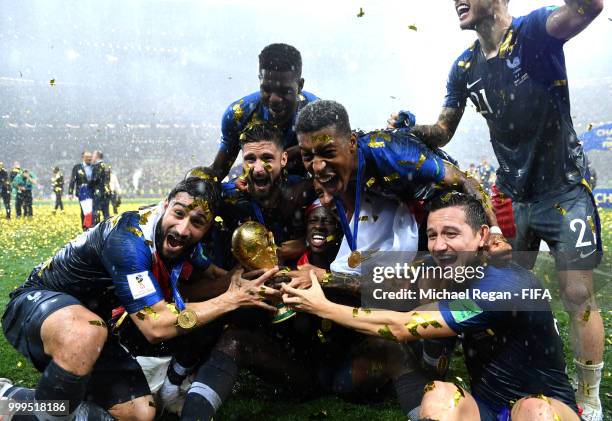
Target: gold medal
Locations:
point(354, 259)
point(187, 319)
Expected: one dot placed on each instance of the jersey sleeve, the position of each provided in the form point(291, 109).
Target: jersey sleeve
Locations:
point(401, 156)
point(476, 312)
point(456, 89)
point(128, 260)
point(533, 28)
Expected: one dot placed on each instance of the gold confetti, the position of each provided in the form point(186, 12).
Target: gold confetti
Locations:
point(560, 209)
point(422, 159)
point(330, 238)
point(367, 311)
point(458, 395)
point(144, 218)
point(361, 12)
point(507, 46)
point(52, 82)
point(238, 111)
point(326, 277)
point(173, 309)
point(136, 231)
point(355, 312)
point(391, 177)
point(363, 218)
point(99, 323)
point(429, 387)
point(386, 333)
point(587, 314)
point(490, 332)
point(370, 182)
point(321, 336)
point(412, 27)
point(558, 83)
point(589, 127)
point(374, 145)
point(121, 319)
point(322, 138)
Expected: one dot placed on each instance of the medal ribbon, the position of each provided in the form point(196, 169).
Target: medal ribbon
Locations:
point(351, 238)
point(174, 277)
point(276, 228)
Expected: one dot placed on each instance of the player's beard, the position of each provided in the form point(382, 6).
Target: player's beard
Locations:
point(264, 196)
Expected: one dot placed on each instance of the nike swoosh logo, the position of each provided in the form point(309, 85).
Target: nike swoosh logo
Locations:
point(469, 85)
point(583, 256)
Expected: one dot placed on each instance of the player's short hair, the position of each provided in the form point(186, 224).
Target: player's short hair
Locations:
point(281, 58)
point(321, 114)
point(263, 131)
point(475, 215)
point(199, 188)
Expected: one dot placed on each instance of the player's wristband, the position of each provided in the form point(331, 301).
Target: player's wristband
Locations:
point(495, 230)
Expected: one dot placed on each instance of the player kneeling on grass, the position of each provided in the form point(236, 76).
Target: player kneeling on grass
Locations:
point(511, 355)
point(57, 318)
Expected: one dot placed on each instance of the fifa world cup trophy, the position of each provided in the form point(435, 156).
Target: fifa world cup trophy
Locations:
point(253, 246)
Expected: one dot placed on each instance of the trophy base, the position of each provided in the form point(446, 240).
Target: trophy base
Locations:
point(282, 313)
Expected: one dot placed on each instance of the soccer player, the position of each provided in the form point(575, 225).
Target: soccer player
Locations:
point(513, 350)
point(58, 317)
point(278, 101)
point(273, 198)
point(391, 168)
point(515, 75)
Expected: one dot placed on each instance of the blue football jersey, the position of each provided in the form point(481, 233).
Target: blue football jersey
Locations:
point(523, 95)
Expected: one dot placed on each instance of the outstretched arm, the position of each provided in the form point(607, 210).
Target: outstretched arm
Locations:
point(399, 326)
point(438, 134)
point(159, 321)
point(572, 18)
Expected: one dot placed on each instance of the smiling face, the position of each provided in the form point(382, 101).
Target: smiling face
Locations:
point(472, 12)
point(322, 230)
point(280, 93)
point(264, 161)
point(331, 159)
point(185, 222)
point(451, 240)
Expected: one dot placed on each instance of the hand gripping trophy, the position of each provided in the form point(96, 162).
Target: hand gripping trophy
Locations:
point(253, 246)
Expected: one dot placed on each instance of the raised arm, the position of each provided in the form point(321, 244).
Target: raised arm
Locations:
point(572, 18)
point(439, 134)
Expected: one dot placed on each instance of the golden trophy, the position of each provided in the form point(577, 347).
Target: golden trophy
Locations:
point(253, 246)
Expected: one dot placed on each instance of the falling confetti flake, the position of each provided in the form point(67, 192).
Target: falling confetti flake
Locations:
point(361, 12)
point(52, 82)
point(412, 27)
